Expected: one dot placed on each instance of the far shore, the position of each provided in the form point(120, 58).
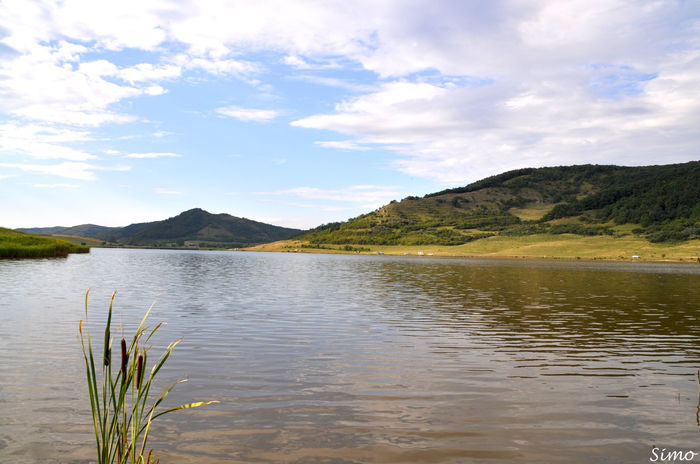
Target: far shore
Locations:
point(628, 248)
point(565, 246)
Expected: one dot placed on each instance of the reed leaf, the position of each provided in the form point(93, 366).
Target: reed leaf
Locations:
point(122, 410)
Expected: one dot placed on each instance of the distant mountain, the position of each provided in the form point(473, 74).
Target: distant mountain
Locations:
point(83, 230)
point(195, 227)
point(662, 202)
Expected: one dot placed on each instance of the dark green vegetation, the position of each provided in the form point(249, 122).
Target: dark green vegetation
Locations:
point(14, 244)
point(194, 228)
point(663, 203)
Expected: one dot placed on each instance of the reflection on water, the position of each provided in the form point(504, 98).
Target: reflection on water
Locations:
point(348, 359)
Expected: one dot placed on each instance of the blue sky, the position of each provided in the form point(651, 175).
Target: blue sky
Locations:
point(299, 113)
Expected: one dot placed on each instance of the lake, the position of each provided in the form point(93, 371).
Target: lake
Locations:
point(364, 359)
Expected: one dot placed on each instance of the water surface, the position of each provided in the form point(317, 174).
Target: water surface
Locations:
point(364, 359)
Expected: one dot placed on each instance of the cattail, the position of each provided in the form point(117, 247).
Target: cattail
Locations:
point(139, 371)
point(108, 348)
point(125, 359)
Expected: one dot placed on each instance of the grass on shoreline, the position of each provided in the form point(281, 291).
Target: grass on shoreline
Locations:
point(15, 244)
point(562, 246)
point(76, 240)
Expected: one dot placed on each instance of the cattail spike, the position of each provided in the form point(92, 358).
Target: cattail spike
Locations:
point(139, 371)
point(108, 348)
point(125, 359)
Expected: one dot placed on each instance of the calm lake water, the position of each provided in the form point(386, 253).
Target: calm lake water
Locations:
point(364, 359)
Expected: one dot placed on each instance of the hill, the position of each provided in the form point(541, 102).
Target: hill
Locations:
point(196, 227)
point(15, 244)
point(659, 203)
point(83, 230)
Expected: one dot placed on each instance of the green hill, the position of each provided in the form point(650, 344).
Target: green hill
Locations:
point(662, 203)
point(206, 229)
point(83, 230)
point(15, 244)
point(196, 228)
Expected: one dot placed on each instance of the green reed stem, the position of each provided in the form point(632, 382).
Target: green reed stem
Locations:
point(121, 413)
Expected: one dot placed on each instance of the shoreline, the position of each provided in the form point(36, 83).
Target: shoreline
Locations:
point(569, 248)
point(561, 248)
point(689, 260)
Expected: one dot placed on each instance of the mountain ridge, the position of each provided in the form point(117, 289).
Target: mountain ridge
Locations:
point(194, 227)
point(661, 202)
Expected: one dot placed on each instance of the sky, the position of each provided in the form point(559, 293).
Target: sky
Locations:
point(299, 113)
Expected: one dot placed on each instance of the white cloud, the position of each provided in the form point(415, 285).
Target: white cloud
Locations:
point(149, 72)
point(248, 114)
point(399, 107)
point(56, 186)
point(153, 155)
point(165, 191)
point(15, 130)
point(70, 170)
point(367, 194)
point(342, 145)
point(48, 151)
point(223, 67)
point(390, 37)
point(119, 168)
point(154, 90)
point(466, 89)
point(41, 141)
point(456, 134)
point(56, 79)
point(296, 61)
point(333, 82)
point(47, 85)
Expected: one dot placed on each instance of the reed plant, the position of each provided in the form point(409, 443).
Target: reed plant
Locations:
point(119, 399)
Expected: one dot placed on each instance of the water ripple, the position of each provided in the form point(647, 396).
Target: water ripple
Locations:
point(348, 359)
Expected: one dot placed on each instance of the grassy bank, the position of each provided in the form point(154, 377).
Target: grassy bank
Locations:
point(84, 241)
point(565, 246)
point(14, 244)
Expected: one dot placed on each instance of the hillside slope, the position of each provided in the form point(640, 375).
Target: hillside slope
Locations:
point(661, 202)
point(83, 230)
point(195, 227)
